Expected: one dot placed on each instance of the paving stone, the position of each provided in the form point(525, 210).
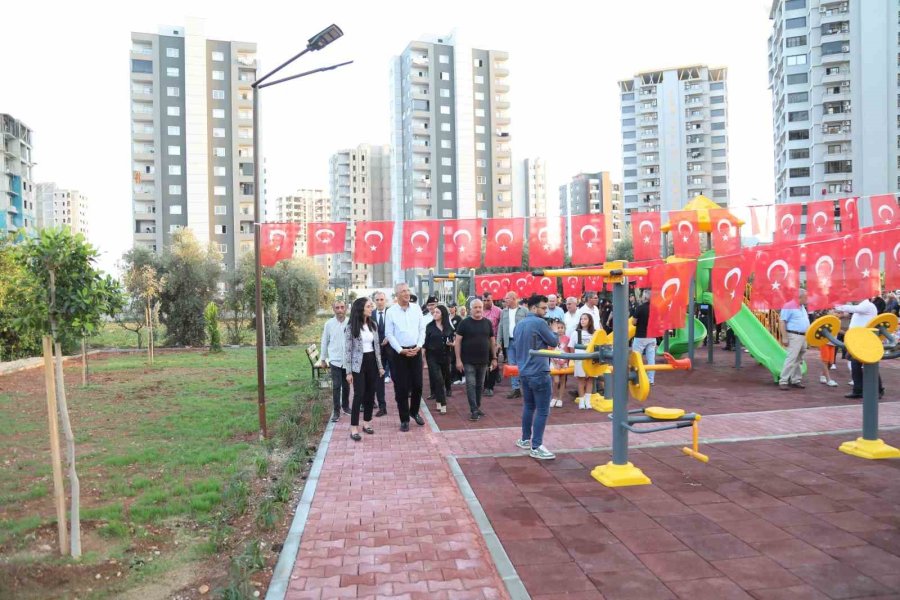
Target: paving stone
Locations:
point(678, 566)
point(718, 546)
point(795, 592)
point(555, 578)
point(657, 539)
point(793, 553)
point(716, 588)
point(840, 581)
point(756, 573)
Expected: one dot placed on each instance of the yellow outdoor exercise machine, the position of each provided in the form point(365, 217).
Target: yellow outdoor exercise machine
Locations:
point(867, 345)
point(628, 374)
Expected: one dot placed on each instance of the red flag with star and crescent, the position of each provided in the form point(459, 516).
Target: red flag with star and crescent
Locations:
point(849, 215)
point(669, 289)
point(496, 285)
point(776, 276)
point(325, 238)
point(545, 285)
point(593, 283)
point(824, 276)
point(891, 245)
point(374, 240)
point(646, 236)
point(588, 239)
point(685, 233)
point(420, 244)
point(820, 219)
point(462, 243)
point(726, 236)
point(862, 252)
point(276, 242)
point(643, 281)
point(728, 281)
point(546, 238)
point(787, 222)
point(521, 283)
point(884, 211)
point(572, 286)
point(505, 242)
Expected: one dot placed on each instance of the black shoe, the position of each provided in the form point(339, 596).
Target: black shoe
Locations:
point(852, 395)
point(346, 411)
point(355, 437)
point(368, 430)
point(798, 385)
point(419, 420)
point(474, 416)
point(335, 417)
point(479, 412)
point(381, 412)
point(487, 393)
point(881, 394)
point(449, 394)
point(404, 426)
point(514, 394)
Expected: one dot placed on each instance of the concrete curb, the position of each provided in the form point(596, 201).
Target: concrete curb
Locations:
point(281, 576)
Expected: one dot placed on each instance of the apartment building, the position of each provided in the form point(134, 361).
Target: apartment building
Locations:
point(192, 139)
point(360, 183)
point(593, 193)
point(306, 205)
point(834, 72)
point(674, 137)
point(450, 127)
point(62, 208)
point(17, 206)
point(530, 189)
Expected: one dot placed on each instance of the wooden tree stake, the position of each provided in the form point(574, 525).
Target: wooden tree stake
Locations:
point(59, 492)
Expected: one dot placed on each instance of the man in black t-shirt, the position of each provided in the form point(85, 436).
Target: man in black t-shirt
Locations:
point(476, 352)
point(642, 344)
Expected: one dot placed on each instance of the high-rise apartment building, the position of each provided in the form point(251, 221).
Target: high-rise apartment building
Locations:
point(674, 137)
point(61, 208)
point(593, 193)
point(530, 189)
point(192, 139)
point(305, 206)
point(361, 191)
point(17, 208)
point(834, 72)
point(450, 132)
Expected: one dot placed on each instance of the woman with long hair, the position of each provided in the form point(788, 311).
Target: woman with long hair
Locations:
point(438, 342)
point(362, 359)
point(582, 336)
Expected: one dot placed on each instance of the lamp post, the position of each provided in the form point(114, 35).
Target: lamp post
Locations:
point(317, 42)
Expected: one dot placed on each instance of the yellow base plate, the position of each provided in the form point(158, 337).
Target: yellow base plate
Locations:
point(601, 404)
point(612, 475)
point(870, 449)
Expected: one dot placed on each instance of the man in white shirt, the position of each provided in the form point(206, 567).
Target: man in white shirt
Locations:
point(378, 314)
point(553, 309)
point(405, 332)
point(509, 318)
point(591, 300)
point(331, 351)
point(861, 314)
point(570, 318)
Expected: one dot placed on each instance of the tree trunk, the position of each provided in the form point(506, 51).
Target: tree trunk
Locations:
point(59, 490)
point(84, 365)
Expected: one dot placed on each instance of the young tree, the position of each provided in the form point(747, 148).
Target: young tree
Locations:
point(301, 291)
point(60, 295)
point(211, 316)
point(238, 301)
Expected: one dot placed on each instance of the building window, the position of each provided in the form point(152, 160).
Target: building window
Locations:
point(445, 144)
point(799, 153)
point(793, 42)
point(175, 190)
point(173, 111)
point(172, 52)
point(479, 95)
point(628, 135)
point(480, 180)
point(716, 99)
point(447, 196)
point(796, 59)
point(141, 66)
point(480, 162)
point(716, 85)
point(798, 191)
point(445, 93)
point(838, 166)
point(719, 179)
point(172, 72)
point(446, 161)
point(218, 56)
point(221, 229)
point(479, 129)
point(219, 190)
point(219, 171)
point(627, 110)
point(477, 63)
point(798, 172)
point(795, 23)
point(479, 197)
point(218, 75)
point(218, 113)
point(445, 126)
point(794, 4)
point(479, 112)
point(173, 92)
point(174, 209)
point(174, 150)
point(173, 130)
point(835, 48)
point(720, 167)
point(798, 134)
point(799, 115)
point(220, 209)
point(479, 146)
point(630, 160)
point(717, 112)
point(628, 97)
point(445, 109)
point(444, 59)
point(218, 94)
point(446, 178)
point(479, 79)
point(718, 153)
point(445, 76)
point(630, 173)
point(796, 97)
point(629, 148)
point(219, 151)
point(795, 78)
point(628, 122)
point(218, 132)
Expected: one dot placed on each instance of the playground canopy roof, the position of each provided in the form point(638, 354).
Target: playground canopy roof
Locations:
point(702, 205)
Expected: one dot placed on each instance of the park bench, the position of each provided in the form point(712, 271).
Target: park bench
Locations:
point(320, 375)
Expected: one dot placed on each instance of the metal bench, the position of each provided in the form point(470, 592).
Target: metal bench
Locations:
point(320, 375)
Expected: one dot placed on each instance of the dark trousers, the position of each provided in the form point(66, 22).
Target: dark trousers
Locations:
point(475, 383)
point(340, 389)
point(406, 373)
point(439, 374)
point(379, 387)
point(364, 384)
point(856, 368)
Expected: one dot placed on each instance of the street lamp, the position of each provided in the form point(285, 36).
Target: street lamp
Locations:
point(317, 42)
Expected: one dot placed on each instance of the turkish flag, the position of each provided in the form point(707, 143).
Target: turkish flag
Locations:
point(462, 244)
point(820, 219)
point(824, 277)
point(646, 235)
point(325, 238)
point(669, 289)
point(685, 233)
point(505, 242)
point(884, 211)
point(496, 285)
point(776, 276)
point(728, 281)
point(420, 244)
point(862, 252)
point(891, 244)
point(572, 286)
point(787, 222)
point(545, 286)
point(373, 243)
point(849, 214)
point(643, 281)
point(588, 239)
point(276, 242)
point(726, 238)
point(593, 283)
point(546, 238)
point(521, 283)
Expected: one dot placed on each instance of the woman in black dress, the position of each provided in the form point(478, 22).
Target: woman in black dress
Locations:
point(438, 344)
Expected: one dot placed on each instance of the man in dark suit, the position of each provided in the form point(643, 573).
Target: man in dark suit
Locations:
point(378, 314)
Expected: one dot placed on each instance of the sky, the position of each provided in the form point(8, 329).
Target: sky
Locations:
point(65, 73)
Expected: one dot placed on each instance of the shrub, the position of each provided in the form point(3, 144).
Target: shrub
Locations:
point(211, 316)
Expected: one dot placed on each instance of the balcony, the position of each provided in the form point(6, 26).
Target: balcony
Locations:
point(647, 107)
point(838, 74)
point(694, 115)
point(145, 211)
point(834, 12)
point(837, 57)
point(501, 101)
point(142, 134)
point(424, 182)
point(502, 135)
point(143, 236)
point(501, 118)
point(650, 133)
point(501, 86)
point(650, 159)
point(649, 121)
point(419, 77)
point(648, 92)
point(419, 60)
point(421, 148)
point(421, 165)
point(246, 61)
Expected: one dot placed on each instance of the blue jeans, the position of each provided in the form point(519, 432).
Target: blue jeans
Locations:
point(536, 407)
point(511, 360)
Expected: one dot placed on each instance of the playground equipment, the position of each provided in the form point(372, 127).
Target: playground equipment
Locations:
point(628, 374)
point(431, 278)
point(865, 345)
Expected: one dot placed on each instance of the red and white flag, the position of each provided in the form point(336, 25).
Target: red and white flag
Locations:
point(670, 286)
point(545, 285)
point(325, 238)
point(572, 286)
point(824, 276)
point(728, 281)
point(820, 219)
point(776, 276)
point(726, 237)
point(276, 242)
point(891, 244)
point(787, 222)
point(373, 243)
point(496, 285)
point(545, 241)
point(593, 283)
point(420, 243)
point(505, 242)
point(862, 253)
point(849, 215)
point(522, 284)
point(588, 239)
point(643, 281)
point(884, 211)
point(646, 235)
point(685, 233)
point(761, 220)
point(462, 243)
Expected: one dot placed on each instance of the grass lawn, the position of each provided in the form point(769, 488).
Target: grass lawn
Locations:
point(169, 463)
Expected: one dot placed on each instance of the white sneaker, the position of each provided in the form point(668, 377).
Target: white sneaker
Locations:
point(524, 444)
point(541, 453)
point(833, 366)
point(832, 383)
point(443, 409)
point(553, 402)
point(559, 403)
point(823, 379)
point(387, 379)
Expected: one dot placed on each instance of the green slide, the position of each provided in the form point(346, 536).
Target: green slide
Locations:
point(758, 341)
point(679, 343)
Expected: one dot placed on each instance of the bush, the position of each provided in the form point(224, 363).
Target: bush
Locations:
point(301, 291)
point(211, 316)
